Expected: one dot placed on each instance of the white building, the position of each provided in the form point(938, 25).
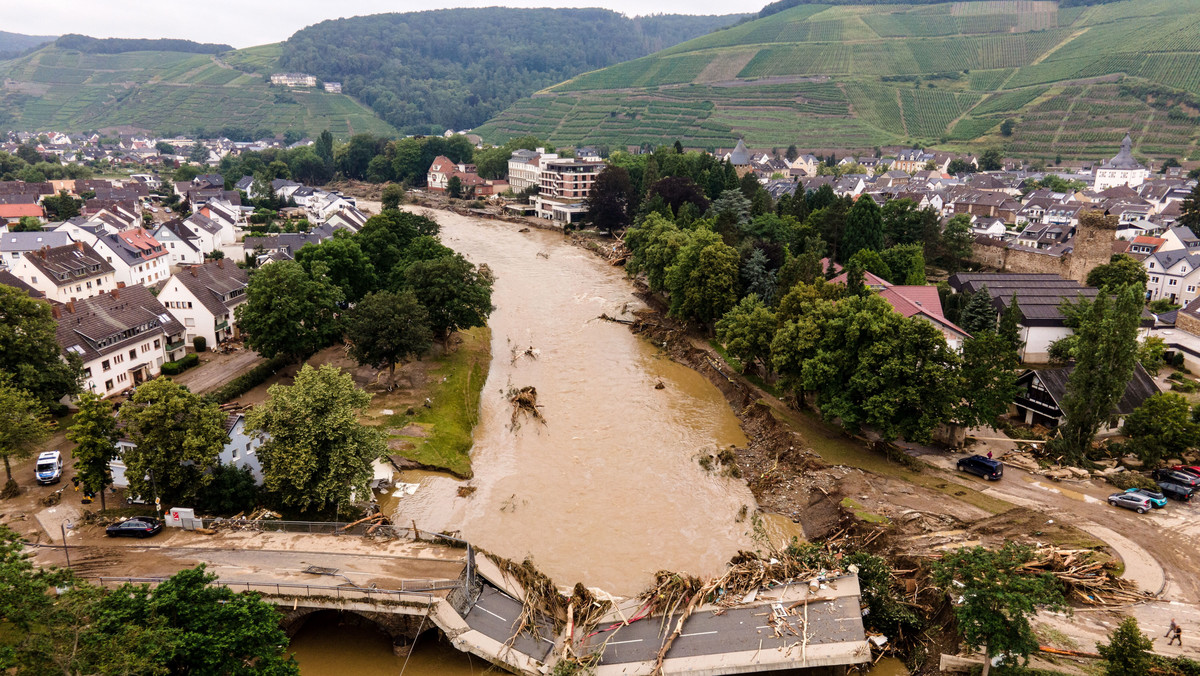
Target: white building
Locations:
point(14, 245)
point(203, 297)
point(66, 273)
point(1173, 275)
point(524, 167)
point(1122, 169)
point(294, 79)
point(241, 450)
point(136, 257)
point(123, 337)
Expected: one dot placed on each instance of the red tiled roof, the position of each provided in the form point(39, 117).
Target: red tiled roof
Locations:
point(21, 210)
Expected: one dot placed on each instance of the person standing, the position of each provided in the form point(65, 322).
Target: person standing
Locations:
point(1177, 637)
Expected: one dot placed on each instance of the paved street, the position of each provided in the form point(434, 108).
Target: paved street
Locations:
point(495, 615)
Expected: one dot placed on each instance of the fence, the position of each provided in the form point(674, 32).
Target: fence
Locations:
point(334, 528)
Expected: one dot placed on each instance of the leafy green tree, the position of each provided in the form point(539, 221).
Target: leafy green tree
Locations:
point(26, 224)
point(611, 199)
point(732, 212)
point(1189, 210)
point(62, 206)
point(1127, 652)
point(979, 315)
point(232, 489)
point(994, 597)
point(177, 438)
point(1152, 354)
point(23, 425)
point(958, 166)
point(956, 242)
point(792, 153)
point(1121, 269)
point(903, 222)
point(653, 245)
point(346, 266)
point(864, 229)
point(757, 278)
point(164, 148)
point(324, 148)
point(1010, 326)
point(869, 260)
point(747, 331)
point(393, 196)
point(703, 278)
point(991, 160)
point(203, 628)
point(288, 311)
point(384, 237)
point(1105, 357)
point(1161, 427)
point(385, 328)
point(198, 153)
point(454, 187)
point(1007, 126)
point(869, 366)
point(29, 351)
point(94, 433)
point(988, 380)
point(456, 294)
point(318, 453)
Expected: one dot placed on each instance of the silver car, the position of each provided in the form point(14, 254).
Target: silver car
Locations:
point(1138, 503)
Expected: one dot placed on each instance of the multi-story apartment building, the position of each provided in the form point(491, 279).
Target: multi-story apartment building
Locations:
point(66, 273)
point(203, 297)
point(564, 186)
point(123, 337)
point(524, 167)
point(294, 79)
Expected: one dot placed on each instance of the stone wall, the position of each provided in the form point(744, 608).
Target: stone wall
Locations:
point(1091, 246)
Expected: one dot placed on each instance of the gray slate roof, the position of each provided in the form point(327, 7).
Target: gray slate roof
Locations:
point(110, 322)
point(214, 282)
point(32, 241)
point(1123, 159)
point(1140, 387)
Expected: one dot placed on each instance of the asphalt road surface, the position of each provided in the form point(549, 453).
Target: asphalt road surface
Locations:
point(495, 615)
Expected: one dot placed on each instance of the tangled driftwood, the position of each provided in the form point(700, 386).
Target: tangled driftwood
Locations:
point(524, 400)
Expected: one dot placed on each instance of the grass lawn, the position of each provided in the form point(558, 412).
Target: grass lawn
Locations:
point(456, 382)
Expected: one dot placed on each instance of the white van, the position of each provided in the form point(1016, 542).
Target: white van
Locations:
point(49, 467)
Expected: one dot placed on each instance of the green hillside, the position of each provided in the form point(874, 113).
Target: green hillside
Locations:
point(1073, 79)
point(169, 92)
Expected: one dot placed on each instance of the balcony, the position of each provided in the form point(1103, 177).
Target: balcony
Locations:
point(171, 347)
point(222, 325)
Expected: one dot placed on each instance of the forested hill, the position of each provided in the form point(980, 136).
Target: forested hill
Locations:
point(90, 45)
point(12, 44)
point(1036, 78)
point(455, 68)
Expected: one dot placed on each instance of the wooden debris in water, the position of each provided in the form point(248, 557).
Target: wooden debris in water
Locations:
point(524, 400)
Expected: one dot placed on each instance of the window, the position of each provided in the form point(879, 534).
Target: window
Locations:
point(108, 385)
point(156, 343)
point(1191, 288)
point(235, 453)
point(105, 365)
point(87, 372)
point(1172, 282)
point(188, 321)
point(1154, 278)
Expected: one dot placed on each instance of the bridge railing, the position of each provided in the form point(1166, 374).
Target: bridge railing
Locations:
point(408, 588)
point(334, 528)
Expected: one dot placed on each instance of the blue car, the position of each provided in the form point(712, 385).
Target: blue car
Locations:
point(1157, 499)
point(978, 465)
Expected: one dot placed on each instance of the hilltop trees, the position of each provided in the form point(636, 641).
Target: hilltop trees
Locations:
point(318, 452)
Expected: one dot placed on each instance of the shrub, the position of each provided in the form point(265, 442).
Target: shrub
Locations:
point(1185, 386)
point(248, 380)
point(173, 368)
point(1127, 480)
point(200, 343)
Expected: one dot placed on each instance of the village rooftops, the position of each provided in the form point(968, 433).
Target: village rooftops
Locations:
point(110, 322)
point(218, 284)
point(69, 263)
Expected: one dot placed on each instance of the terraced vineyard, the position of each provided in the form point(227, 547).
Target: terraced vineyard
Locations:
point(168, 92)
point(1072, 79)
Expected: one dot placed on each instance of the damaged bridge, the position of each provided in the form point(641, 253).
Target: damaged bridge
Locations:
point(810, 627)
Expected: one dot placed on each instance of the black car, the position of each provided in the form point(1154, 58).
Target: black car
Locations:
point(978, 465)
point(1175, 491)
point(1177, 477)
point(135, 527)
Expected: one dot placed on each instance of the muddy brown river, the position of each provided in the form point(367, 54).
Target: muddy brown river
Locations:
point(608, 490)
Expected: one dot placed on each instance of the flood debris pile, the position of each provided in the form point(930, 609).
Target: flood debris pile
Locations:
point(531, 352)
point(524, 400)
point(1084, 577)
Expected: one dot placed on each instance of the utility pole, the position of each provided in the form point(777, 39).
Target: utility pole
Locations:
point(154, 487)
point(62, 526)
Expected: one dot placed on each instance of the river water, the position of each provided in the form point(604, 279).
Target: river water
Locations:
point(608, 490)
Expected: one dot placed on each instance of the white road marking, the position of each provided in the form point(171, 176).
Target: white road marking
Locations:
point(492, 614)
point(636, 640)
point(699, 633)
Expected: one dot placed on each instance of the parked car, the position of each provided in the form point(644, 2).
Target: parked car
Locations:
point(135, 527)
point(978, 465)
point(1176, 477)
point(1194, 470)
point(1138, 503)
point(48, 469)
point(1158, 500)
point(1175, 491)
